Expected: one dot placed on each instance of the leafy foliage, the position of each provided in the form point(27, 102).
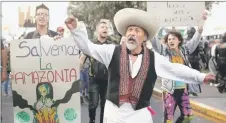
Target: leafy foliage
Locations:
point(209, 4)
point(92, 12)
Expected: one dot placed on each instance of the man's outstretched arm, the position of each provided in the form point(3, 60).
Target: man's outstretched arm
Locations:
point(179, 72)
point(102, 53)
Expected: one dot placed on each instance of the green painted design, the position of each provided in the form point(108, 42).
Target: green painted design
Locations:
point(22, 117)
point(70, 114)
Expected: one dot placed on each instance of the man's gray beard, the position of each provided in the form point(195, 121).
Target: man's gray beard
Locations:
point(131, 46)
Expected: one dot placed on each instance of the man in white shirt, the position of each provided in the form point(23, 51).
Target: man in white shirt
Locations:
point(132, 67)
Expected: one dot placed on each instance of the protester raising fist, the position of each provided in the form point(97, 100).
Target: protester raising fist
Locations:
point(71, 22)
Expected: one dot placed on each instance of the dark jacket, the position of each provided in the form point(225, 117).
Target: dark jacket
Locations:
point(97, 69)
point(35, 34)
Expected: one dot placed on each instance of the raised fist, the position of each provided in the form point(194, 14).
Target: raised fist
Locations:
point(71, 22)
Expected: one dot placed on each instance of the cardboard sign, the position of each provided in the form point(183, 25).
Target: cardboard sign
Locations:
point(46, 81)
point(177, 13)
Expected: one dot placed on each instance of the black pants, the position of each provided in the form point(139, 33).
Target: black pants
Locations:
point(97, 89)
point(196, 65)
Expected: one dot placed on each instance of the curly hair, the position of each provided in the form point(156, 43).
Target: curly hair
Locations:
point(176, 34)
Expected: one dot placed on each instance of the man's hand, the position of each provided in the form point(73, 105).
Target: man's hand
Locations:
point(200, 29)
point(123, 40)
point(58, 37)
point(11, 76)
point(209, 78)
point(71, 23)
point(204, 17)
point(4, 75)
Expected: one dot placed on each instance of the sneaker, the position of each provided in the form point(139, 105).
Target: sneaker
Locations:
point(194, 94)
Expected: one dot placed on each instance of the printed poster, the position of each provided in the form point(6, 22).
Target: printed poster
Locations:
point(46, 81)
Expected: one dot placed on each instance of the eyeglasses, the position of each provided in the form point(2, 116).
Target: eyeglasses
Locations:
point(42, 14)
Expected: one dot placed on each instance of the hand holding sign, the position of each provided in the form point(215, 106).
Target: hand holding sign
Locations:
point(123, 40)
point(71, 23)
point(200, 29)
point(204, 17)
point(58, 37)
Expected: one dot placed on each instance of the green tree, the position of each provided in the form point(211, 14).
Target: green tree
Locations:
point(209, 4)
point(91, 12)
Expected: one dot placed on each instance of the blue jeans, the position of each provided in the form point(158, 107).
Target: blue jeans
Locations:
point(6, 84)
point(84, 77)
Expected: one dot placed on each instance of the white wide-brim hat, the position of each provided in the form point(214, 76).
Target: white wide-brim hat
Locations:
point(135, 17)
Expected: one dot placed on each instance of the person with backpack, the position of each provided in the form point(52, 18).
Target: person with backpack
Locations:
point(98, 76)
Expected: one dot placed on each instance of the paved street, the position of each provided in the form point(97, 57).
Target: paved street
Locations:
point(155, 103)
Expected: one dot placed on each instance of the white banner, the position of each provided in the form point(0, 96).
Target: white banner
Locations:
point(177, 13)
point(46, 81)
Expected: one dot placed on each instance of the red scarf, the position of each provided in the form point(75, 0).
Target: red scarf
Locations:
point(137, 82)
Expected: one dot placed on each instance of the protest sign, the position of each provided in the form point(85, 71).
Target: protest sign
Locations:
point(177, 13)
point(46, 81)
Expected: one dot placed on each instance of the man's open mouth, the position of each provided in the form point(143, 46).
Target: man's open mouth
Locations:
point(41, 20)
point(171, 45)
point(132, 38)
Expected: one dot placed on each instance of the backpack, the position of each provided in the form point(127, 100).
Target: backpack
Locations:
point(98, 70)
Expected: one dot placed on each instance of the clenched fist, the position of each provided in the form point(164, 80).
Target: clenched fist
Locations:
point(71, 22)
point(209, 78)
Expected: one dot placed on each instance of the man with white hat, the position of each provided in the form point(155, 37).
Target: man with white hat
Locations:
point(132, 67)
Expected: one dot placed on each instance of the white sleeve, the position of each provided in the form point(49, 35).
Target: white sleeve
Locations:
point(102, 53)
point(177, 72)
point(194, 42)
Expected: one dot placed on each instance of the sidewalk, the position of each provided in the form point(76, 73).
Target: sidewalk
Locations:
point(210, 103)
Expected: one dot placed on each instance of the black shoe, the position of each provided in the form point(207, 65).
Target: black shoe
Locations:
point(92, 121)
point(81, 99)
point(195, 94)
